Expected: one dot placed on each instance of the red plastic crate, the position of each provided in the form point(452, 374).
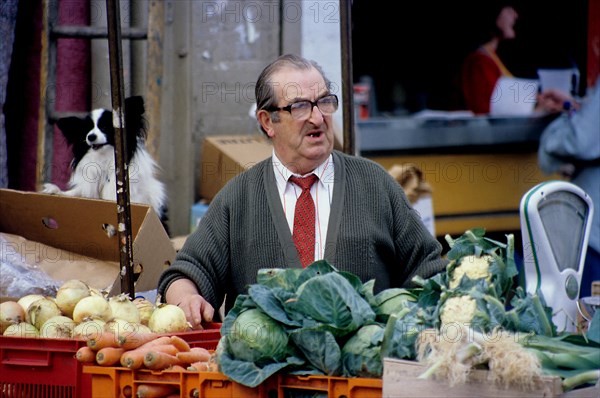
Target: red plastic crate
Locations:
point(207, 338)
point(47, 368)
point(42, 368)
point(108, 382)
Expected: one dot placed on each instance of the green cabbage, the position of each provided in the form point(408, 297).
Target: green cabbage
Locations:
point(257, 338)
point(361, 355)
point(391, 301)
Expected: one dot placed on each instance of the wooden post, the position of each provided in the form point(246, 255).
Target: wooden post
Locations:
point(122, 174)
point(41, 174)
point(156, 32)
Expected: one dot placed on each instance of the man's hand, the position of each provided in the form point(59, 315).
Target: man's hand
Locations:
point(184, 294)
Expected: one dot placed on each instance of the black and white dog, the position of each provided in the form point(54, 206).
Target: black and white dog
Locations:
point(92, 139)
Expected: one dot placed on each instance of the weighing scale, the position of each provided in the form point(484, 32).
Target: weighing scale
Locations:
point(556, 220)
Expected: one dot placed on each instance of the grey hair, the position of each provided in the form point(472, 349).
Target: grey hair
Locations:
point(264, 90)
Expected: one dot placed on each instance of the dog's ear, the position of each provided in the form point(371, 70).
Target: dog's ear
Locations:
point(134, 118)
point(72, 128)
point(134, 105)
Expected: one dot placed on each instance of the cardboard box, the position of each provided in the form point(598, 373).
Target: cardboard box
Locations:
point(77, 226)
point(225, 156)
point(400, 379)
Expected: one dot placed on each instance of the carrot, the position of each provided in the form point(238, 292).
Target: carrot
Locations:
point(134, 359)
point(213, 366)
point(85, 354)
point(180, 343)
point(157, 360)
point(154, 390)
point(134, 340)
point(200, 366)
point(157, 341)
point(109, 356)
point(176, 368)
point(195, 354)
point(101, 340)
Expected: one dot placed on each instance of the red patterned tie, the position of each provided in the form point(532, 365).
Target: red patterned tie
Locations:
point(304, 220)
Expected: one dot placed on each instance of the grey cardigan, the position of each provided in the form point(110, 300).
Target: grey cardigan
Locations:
point(373, 233)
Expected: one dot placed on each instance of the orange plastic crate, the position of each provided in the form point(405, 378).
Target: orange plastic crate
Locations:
point(354, 387)
point(110, 382)
point(47, 368)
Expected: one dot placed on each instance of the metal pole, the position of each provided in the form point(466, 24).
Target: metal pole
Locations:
point(347, 78)
point(122, 175)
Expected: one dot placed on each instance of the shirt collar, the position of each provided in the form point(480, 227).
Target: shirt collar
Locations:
point(282, 173)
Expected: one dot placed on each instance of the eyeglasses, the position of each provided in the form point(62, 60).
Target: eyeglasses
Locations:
point(302, 109)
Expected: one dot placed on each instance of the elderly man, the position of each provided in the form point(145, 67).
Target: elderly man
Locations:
point(305, 203)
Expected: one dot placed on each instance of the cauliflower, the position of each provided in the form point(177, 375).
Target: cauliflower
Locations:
point(473, 267)
point(458, 309)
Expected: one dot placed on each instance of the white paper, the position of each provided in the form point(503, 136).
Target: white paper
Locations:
point(559, 79)
point(514, 97)
point(424, 206)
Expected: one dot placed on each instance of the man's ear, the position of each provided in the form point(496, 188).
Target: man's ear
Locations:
point(266, 121)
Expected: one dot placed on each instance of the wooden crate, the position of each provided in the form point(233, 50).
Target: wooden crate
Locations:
point(400, 379)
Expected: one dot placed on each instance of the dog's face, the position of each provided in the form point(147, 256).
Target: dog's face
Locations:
point(96, 129)
point(99, 127)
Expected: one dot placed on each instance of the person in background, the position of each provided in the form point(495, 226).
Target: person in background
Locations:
point(362, 223)
point(482, 68)
point(571, 145)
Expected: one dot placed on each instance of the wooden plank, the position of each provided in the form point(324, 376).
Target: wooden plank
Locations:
point(400, 379)
point(590, 392)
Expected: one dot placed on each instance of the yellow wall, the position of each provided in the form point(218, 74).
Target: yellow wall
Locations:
point(475, 190)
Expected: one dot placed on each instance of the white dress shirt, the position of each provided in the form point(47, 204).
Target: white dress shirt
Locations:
point(321, 192)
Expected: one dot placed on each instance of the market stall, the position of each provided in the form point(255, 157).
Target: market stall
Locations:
point(317, 331)
point(468, 330)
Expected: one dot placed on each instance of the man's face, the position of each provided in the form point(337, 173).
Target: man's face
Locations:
point(305, 143)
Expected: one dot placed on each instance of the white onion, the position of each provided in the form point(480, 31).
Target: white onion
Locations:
point(22, 329)
point(145, 307)
point(58, 327)
point(123, 308)
point(168, 318)
point(121, 327)
point(88, 329)
point(92, 307)
point(41, 310)
point(26, 301)
point(69, 294)
point(144, 329)
point(11, 312)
